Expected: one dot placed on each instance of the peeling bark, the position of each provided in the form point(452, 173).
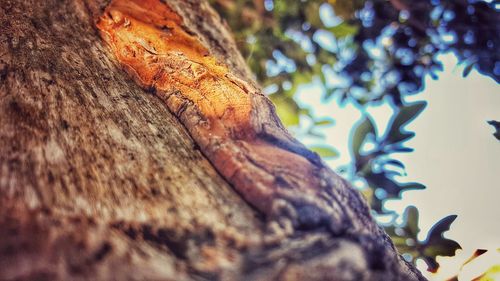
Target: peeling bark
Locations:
point(178, 170)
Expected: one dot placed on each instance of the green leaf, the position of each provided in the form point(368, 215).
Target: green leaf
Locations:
point(445, 247)
point(407, 113)
point(436, 244)
point(496, 125)
point(325, 151)
point(413, 186)
point(396, 163)
point(324, 122)
point(411, 218)
point(383, 181)
point(403, 149)
point(362, 130)
point(491, 274)
point(436, 232)
point(468, 69)
point(403, 117)
point(343, 30)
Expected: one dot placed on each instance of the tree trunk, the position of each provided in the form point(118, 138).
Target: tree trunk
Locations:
point(175, 169)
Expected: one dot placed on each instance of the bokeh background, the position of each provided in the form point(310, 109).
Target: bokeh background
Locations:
point(401, 97)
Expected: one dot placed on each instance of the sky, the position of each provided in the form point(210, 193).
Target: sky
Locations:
point(455, 156)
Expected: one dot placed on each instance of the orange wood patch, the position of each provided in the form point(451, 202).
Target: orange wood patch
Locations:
point(234, 126)
point(148, 39)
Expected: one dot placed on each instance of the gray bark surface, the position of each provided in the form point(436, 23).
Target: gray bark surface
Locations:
point(99, 181)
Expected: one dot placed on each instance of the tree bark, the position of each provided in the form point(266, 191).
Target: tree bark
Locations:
point(175, 169)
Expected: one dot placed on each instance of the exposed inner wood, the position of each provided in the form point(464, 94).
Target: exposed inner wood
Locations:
point(232, 122)
point(99, 181)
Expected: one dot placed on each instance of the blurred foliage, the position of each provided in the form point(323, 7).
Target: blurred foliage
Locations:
point(405, 237)
point(495, 125)
point(490, 275)
point(366, 52)
point(375, 165)
point(378, 48)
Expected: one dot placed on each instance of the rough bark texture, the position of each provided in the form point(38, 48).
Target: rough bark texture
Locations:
point(99, 181)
